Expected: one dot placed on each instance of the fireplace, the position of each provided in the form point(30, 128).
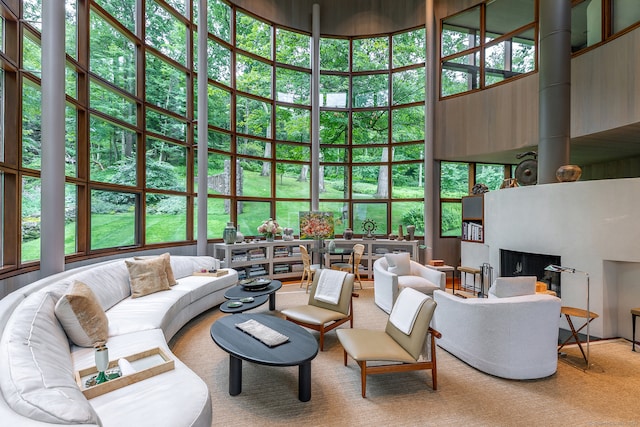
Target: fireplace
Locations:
point(514, 263)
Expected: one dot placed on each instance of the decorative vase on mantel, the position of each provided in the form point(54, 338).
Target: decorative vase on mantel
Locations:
point(348, 234)
point(270, 237)
point(411, 231)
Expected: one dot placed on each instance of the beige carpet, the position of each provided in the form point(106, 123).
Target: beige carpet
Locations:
point(607, 394)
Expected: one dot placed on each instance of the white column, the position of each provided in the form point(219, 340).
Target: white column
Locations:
point(432, 61)
point(315, 108)
point(53, 143)
point(203, 134)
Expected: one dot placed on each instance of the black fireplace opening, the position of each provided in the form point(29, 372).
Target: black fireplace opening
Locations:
point(514, 263)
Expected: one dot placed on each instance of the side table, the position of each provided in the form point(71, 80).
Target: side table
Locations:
point(446, 269)
point(576, 312)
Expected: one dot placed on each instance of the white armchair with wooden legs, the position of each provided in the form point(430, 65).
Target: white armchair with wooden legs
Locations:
point(403, 340)
point(330, 303)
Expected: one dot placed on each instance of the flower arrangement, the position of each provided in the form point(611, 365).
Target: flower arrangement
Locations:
point(316, 225)
point(270, 228)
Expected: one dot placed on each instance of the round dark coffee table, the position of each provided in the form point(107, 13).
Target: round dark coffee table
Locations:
point(238, 291)
point(301, 348)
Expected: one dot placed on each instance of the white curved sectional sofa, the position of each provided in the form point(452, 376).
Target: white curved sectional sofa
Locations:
point(512, 334)
point(38, 362)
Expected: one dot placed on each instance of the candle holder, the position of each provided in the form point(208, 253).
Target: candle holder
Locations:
point(102, 363)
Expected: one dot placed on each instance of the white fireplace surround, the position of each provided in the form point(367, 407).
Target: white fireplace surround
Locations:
point(594, 226)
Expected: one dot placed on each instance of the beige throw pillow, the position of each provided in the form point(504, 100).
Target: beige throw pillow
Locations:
point(81, 316)
point(147, 276)
point(166, 257)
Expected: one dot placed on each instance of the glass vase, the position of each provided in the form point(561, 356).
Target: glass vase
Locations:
point(229, 234)
point(102, 363)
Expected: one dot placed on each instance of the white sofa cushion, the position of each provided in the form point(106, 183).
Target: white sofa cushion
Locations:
point(81, 316)
point(506, 287)
point(36, 373)
point(109, 282)
point(399, 263)
point(418, 283)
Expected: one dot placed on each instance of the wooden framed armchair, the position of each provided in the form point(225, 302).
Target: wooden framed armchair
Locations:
point(319, 314)
point(399, 342)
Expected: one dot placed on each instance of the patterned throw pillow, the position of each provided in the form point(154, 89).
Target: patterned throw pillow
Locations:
point(83, 319)
point(147, 276)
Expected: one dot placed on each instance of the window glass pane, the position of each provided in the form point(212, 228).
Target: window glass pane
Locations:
point(71, 141)
point(408, 181)
point(107, 101)
point(178, 5)
point(219, 106)
point(295, 152)
point(586, 24)
point(520, 13)
point(333, 181)
point(408, 86)
point(408, 213)
point(166, 218)
point(253, 76)
point(409, 48)
point(32, 13)
point(113, 219)
point(334, 91)
point(165, 32)
point(340, 212)
point(166, 165)
point(256, 178)
point(71, 26)
point(166, 125)
point(217, 217)
point(219, 62)
point(112, 153)
point(371, 54)
point(31, 54)
point(368, 154)
point(333, 155)
point(460, 75)
point(217, 140)
point(288, 214)
point(293, 181)
point(30, 222)
point(408, 152)
point(71, 82)
point(490, 175)
point(124, 11)
point(370, 182)
point(31, 125)
point(218, 18)
point(450, 219)
point(334, 54)
point(370, 90)
point(253, 117)
point(251, 215)
point(509, 58)
point(218, 173)
point(523, 54)
point(112, 55)
point(70, 219)
point(408, 124)
point(166, 85)
point(334, 126)
point(377, 212)
point(253, 36)
point(454, 180)
point(293, 87)
point(460, 32)
point(370, 127)
point(293, 48)
point(293, 124)
point(255, 148)
point(625, 14)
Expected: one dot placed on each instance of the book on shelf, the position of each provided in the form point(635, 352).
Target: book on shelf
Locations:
point(297, 267)
point(472, 231)
point(280, 251)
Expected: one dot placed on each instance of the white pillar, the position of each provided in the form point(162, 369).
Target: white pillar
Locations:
point(53, 142)
point(203, 134)
point(315, 108)
point(432, 59)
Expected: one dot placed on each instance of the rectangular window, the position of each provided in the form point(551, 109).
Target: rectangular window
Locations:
point(109, 102)
point(165, 32)
point(113, 219)
point(166, 86)
point(31, 125)
point(166, 218)
point(112, 153)
point(335, 181)
point(31, 214)
point(256, 178)
point(370, 216)
point(70, 219)
point(166, 165)
point(407, 213)
point(218, 214)
point(218, 175)
point(293, 181)
point(253, 117)
point(293, 124)
point(250, 216)
point(71, 141)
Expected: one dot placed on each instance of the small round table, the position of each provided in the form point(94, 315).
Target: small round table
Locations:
point(257, 301)
point(238, 291)
point(301, 348)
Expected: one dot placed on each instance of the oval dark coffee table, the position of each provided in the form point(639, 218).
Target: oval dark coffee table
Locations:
point(301, 348)
point(258, 300)
point(238, 291)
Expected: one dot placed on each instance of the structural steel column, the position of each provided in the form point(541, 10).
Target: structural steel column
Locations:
point(554, 73)
point(53, 139)
point(203, 131)
point(431, 95)
point(315, 108)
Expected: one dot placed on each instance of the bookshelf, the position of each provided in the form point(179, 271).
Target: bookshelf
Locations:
point(473, 218)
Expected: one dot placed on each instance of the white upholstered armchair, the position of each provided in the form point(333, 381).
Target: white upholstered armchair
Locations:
point(393, 272)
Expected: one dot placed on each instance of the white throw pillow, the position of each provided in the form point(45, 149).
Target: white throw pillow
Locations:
point(399, 264)
point(505, 287)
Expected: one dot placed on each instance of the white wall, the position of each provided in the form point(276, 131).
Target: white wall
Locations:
point(592, 225)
